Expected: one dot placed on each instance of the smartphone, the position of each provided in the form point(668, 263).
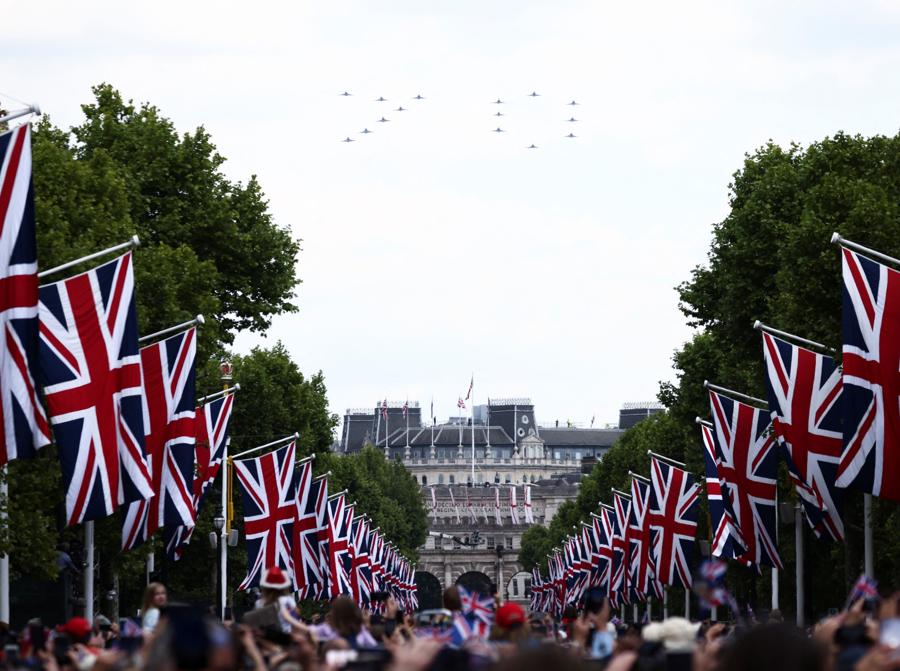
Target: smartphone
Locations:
point(11, 654)
point(61, 646)
point(37, 636)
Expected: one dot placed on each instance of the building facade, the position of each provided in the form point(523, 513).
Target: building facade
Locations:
point(463, 464)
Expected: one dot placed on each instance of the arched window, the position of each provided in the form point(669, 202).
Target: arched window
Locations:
point(424, 479)
point(508, 479)
point(440, 478)
point(452, 479)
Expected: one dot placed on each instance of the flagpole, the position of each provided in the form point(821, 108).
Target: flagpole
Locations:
point(775, 594)
point(223, 536)
point(89, 571)
point(836, 239)
point(4, 560)
point(869, 556)
point(730, 392)
point(669, 460)
point(33, 108)
point(198, 321)
point(134, 242)
point(219, 394)
point(293, 436)
point(759, 326)
point(472, 413)
point(798, 543)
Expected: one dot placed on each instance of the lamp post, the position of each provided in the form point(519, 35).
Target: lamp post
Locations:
point(219, 525)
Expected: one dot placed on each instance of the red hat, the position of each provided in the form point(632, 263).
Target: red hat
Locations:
point(510, 614)
point(77, 627)
point(274, 578)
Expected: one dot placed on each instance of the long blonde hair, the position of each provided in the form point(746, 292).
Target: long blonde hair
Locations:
point(149, 593)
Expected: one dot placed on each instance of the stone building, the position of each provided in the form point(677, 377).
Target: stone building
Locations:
point(464, 463)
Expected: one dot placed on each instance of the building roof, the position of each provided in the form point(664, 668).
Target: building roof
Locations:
point(565, 437)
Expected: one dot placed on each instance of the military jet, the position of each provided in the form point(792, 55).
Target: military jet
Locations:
point(383, 120)
point(381, 99)
point(400, 109)
point(498, 130)
point(571, 119)
point(531, 146)
point(533, 94)
point(498, 101)
point(571, 135)
point(345, 93)
point(366, 131)
point(573, 103)
point(348, 140)
point(499, 114)
point(419, 97)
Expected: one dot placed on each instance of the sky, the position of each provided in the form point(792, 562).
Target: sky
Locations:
point(434, 249)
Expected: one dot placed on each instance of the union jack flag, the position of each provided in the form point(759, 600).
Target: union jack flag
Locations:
point(608, 549)
point(476, 606)
point(727, 541)
point(805, 402)
point(498, 517)
point(91, 369)
point(871, 396)
point(601, 548)
point(537, 591)
point(22, 419)
point(748, 467)
point(621, 545)
point(167, 368)
point(211, 428)
point(338, 546)
point(269, 491)
point(362, 563)
point(672, 512)
point(376, 555)
point(312, 496)
point(642, 575)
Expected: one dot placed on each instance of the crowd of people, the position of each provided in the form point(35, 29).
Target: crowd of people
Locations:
point(468, 633)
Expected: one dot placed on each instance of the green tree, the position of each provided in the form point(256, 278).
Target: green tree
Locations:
point(209, 245)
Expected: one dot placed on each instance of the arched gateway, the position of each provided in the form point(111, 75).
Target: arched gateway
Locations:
point(476, 581)
point(428, 590)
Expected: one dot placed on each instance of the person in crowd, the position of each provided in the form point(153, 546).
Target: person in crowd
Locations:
point(155, 597)
point(275, 589)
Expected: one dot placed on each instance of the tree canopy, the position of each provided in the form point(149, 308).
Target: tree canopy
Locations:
point(770, 259)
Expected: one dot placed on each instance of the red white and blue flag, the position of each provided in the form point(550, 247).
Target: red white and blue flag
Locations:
point(361, 563)
point(167, 368)
point(211, 428)
point(748, 468)
point(338, 547)
point(312, 498)
point(726, 535)
point(476, 606)
point(269, 490)
point(871, 360)
point(641, 573)
point(621, 543)
point(91, 370)
point(24, 424)
point(804, 390)
point(672, 510)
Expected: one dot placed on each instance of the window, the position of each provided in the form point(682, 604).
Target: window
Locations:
point(490, 542)
point(508, 479)
point(452, 480)
point(424, 479)
point(440, 478)
point(509, 542)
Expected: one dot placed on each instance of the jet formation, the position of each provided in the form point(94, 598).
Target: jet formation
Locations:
point(499, 101)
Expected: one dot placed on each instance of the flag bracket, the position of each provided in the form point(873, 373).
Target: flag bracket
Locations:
point(134, 242)
point(730, 392)
point(184, 326)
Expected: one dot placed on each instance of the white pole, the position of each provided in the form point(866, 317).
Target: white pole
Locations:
point(687, 603)
point(223, 539)
point(665, 602)
point(4, 560)
point(714, 614)
point(634, 612)
point(134, 242)
point(31, 109)
point(798, 539)
point(867, 536)
point(774, 588)
point(472, 412)
point(89, 571)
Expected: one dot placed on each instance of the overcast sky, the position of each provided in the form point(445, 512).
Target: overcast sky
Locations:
point(434, 248)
